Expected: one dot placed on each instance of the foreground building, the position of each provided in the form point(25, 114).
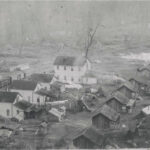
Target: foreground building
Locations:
point(71, 69)
point(89, 139)
point(105, 118)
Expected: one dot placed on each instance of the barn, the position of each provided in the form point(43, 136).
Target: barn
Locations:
point(105, 117)
point(118, 102)
point(89, 139)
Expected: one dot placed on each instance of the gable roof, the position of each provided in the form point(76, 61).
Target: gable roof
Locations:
point(24, 85)
point(69, 61)
point(119, 96)
point(8, 97)
point(93, 135)
point(37, 77)
point(23, 105)
point(144, 67)
point(128, 85)
point(108, 112)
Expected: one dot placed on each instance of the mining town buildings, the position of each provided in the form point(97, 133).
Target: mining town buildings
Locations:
point(105, 118)
point(127, 89)
point(89, 139)
point(28, 89)
point(8, 109)
point(118, 102)
point(140, 84)
point(70, 69)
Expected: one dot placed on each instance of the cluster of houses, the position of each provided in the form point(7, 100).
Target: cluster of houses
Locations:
point(73, 86)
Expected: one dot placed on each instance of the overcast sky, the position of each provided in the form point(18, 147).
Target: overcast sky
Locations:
point(36, 21)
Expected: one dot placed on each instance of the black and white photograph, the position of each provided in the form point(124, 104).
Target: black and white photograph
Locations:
point(74, 74)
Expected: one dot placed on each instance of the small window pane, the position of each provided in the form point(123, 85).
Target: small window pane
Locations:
point(57, 67)
point(8, 112)
point(64, 67)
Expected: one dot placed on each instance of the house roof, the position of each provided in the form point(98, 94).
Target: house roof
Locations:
point(128, 85)
point(144, 67)
point(69, 61)
point(24, 85)
point(8, 97)
point(140, 80)
point(120, 97)
point(108, 112)
point(93, 135)
point(23, 105)
point(44, 78)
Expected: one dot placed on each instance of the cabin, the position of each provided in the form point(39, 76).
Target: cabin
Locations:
point(89, 139)
point(28, 89)
point(127, 89)
point(43, 79)
point(144, 71)
point(70, 69)
point(8, 109)
point(140, 84)
point(118, 102)
point(105, 118)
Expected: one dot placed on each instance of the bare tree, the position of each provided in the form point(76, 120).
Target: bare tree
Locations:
point(91, 34)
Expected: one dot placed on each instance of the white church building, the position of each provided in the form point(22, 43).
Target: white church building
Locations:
point(70, 69)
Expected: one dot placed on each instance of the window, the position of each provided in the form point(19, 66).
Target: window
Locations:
point(8, 112)
point(79, 68)
point(57, 67)
point(57, 77)
point(71, 68)
point(72, 79)
point(86, 79)
point(17, 111)
point(65, 78)
point(64, 67)
point(38, 100)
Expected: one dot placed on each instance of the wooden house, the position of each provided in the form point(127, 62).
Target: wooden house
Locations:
point(105, 117)
point(8, 109)
point(127, 89)
point(140, 84)
point(89, 139)
point(28, 89)
point(117, 101)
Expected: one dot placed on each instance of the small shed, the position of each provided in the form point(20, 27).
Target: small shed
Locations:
point(105, 117)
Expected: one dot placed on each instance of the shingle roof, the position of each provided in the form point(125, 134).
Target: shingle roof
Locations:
point(93, 135)
point(69, 61)
point(24, 85)
point(128, 85)
point(8, 97)
point(119, 96)
point(23, 105)
point(37, 77)
point(108, 112)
